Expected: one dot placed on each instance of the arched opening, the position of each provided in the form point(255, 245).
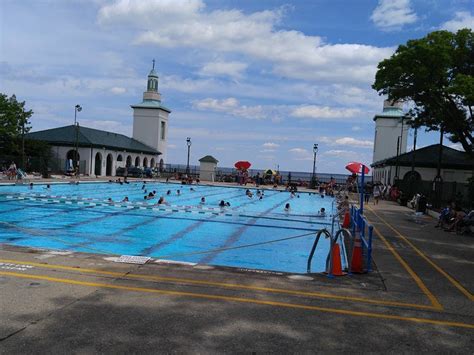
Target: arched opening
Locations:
point(412, 176)
point(152, 163)
point(98, 164)
point(137, 162)
point(129, 161)
point(162, 163)
point(145, 162)
point(108, 168)
point(119, 157)
point(72, 159)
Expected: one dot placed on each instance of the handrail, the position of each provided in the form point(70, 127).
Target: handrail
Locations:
point(360, 226)
point(311, 254)
point(345, 233)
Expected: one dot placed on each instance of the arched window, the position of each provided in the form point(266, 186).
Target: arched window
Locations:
point(129, 161)
point(137, 161)
point(145, 162)
point(152, 163)
point(119, 158)
point(98, 164)
point(108, 168)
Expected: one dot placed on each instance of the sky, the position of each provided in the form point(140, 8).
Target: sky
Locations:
point(247, 80)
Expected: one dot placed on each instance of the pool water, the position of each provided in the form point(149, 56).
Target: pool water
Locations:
point(246, 235)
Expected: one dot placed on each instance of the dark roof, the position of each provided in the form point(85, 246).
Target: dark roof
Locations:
point(87, 137)
point(427, 157)
point(209, 159)
point(152, 104)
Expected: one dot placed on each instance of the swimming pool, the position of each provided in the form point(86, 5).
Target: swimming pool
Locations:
point(79, 218)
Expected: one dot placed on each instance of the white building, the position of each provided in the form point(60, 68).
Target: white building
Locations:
point(391, 161)
point(100, 152)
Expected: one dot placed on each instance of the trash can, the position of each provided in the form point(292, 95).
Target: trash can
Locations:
point(421, 204)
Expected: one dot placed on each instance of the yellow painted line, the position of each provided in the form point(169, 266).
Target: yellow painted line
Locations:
point(428, 260)
point(241, 299)
point(434, 301)
point(226, 285)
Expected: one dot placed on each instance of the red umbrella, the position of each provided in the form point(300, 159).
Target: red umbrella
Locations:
point(242, 165)
point(356, 168)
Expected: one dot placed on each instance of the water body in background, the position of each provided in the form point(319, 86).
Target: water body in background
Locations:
point(295, 175)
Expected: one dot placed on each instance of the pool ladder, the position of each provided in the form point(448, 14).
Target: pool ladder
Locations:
point(342, 235)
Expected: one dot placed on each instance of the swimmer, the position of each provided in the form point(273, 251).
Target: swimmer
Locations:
point(261, 197)
point(48, 187)
point(109, 200)
point(203, 201)
point(287, 207)
point(292, 194)
point(222, 203)
point(227, 204)
point(143, 187)
point(154, 192)
point(125, 199)
point(322, 212)
point(168, 192)
point(191, 189)
point(31, 186)
point(161, 200)
point(178, 192)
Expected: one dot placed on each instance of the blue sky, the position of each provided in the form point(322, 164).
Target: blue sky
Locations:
point(246, 80)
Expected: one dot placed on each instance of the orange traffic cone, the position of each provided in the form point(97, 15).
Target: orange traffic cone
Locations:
point(336, 261)
point(356, 260)
point(347, 220)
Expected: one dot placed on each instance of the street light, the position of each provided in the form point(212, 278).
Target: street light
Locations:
point(313, 177)
point(77, 109)
point(188, 143)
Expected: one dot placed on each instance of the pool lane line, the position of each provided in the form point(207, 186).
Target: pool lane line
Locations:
point(455, 283)
point(179, 235)
point(434, 301)
point(242, 300)
point(142, 277)
point(235, 236)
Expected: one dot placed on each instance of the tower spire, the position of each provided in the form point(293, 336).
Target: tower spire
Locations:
point(153, 63)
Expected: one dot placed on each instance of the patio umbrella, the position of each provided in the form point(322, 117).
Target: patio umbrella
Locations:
point(356, 168)
point(242, 165)
point(269, 172)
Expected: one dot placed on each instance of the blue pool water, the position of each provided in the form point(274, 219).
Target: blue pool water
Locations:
point(78, 218)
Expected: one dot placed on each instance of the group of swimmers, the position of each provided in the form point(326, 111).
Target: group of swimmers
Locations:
point(259, 194)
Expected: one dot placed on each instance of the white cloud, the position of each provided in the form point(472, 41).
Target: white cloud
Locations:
point(232, 69)
point(346, 141)
point(356, 128)
point(462, 19)
point(301, 154)
point(118, 90)
point(390, 15)
point(256, 35)
point(324, 112)
point(270, 145)
point(349, 154)
point(230, 106)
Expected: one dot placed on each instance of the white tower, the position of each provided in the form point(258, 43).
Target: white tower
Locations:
point(150, 117)
point(391, 131)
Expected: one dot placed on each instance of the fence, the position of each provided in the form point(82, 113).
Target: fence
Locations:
point(436, 193)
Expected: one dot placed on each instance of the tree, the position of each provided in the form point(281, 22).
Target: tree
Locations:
point(13, 122)
point(435, 73)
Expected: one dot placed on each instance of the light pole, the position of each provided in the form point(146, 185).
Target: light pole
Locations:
point(188, 143)
point(313, 176)
point(77, 109)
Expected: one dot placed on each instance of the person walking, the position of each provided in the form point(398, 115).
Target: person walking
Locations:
point(377, 193)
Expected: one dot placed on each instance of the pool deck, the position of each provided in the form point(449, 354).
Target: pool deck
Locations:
point(418, 299)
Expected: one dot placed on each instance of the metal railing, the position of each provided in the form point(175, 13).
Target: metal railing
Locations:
point(315, 244)
point(361, 228)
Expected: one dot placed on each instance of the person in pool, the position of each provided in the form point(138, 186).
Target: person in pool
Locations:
point(161, 201)
point(222, 203)
point(168, 192)
point(203, 201)
point(125, 199)
point(287, 207)
point(322, 212)
point(178, 192)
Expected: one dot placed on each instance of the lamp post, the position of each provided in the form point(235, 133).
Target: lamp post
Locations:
point(313, 176)
point(77, 109)
point(188, 143)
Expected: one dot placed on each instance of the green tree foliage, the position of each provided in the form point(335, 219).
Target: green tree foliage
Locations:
point(435, 73)
point(13, 122)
